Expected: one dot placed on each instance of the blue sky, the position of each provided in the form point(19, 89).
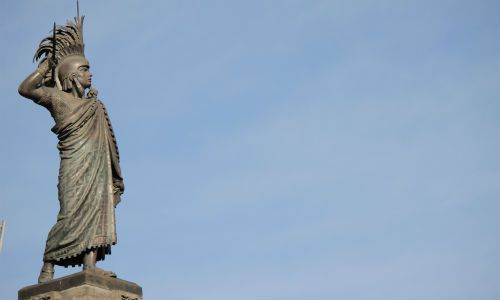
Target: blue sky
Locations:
point(275, 150)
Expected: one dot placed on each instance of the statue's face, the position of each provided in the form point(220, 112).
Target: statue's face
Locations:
point(76, 67)
point(84, 76)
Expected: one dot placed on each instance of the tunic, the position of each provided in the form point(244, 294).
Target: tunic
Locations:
point(90, 181)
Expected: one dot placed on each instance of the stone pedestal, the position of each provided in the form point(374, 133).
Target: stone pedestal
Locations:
point(84, 285)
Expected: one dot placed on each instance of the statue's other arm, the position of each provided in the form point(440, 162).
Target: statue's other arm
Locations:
point(31, 86)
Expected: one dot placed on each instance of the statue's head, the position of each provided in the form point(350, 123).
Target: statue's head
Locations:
point(73, 72)
point(66, 46)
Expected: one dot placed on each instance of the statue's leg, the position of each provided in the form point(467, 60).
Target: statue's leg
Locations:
point(47, 272)
point(89, 261)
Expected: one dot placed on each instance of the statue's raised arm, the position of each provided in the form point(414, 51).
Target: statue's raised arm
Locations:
point(31, 87)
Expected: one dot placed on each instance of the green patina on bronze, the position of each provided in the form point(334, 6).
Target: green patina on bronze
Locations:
point(90, 180)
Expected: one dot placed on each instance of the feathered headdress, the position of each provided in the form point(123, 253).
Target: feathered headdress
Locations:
point(65, 40)
point(68, 41)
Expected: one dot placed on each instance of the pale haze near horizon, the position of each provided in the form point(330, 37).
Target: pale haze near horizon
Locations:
point(275, 149)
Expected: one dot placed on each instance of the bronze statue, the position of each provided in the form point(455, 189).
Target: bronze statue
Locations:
point(90, 181)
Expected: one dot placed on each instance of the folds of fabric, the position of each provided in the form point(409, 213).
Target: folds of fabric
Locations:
point(89, 185)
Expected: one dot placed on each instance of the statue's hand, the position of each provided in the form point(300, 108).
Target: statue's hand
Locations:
point(52, 62)
point(117, 195)
point(43, 66)
point(47, 64)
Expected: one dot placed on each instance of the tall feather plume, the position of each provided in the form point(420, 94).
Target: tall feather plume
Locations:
point(69, 41)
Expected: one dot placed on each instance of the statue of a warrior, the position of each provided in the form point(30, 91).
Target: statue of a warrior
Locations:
point(90, 180)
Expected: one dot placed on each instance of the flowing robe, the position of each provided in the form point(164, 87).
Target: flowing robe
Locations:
point(90, 181)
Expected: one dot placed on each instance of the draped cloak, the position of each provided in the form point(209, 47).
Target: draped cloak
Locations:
point(90, 181)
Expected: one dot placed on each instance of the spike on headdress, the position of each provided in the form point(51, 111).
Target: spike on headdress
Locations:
point(68, 41)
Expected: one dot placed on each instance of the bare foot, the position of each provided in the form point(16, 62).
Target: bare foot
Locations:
point(101, 272)
point(45, 276)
